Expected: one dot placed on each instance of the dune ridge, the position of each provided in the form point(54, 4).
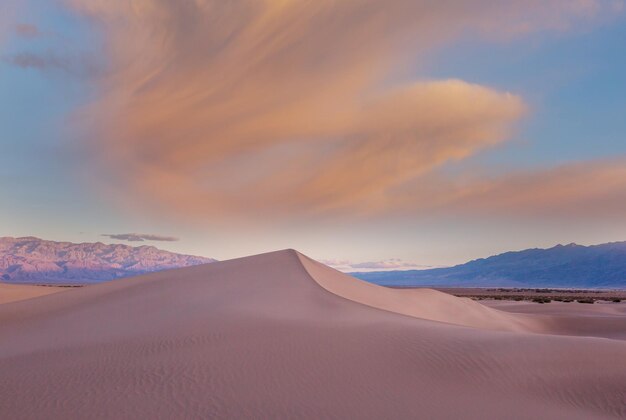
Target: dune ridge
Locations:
point(280, 336)
point(419, 303)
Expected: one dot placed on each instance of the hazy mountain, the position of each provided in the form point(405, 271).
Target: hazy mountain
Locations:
point(34, 260)
point(597, 266)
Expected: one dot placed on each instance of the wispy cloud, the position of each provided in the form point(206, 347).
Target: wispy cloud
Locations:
point(27, 30)
point(140, 237)
point(336, 263)
point(380, 265)
point(287, 109)
point(574, 191)
point(80, 65)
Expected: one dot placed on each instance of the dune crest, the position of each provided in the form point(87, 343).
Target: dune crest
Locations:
point(419, 303)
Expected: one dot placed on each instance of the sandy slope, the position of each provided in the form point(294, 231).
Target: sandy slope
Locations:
point(278, 336)
point(600, 308)
point(15, 292)
point(600, 319)
point(420, 303)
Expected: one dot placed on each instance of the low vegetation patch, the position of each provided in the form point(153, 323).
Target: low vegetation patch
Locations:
point(542, 295)
point(542, 300)
point(589, 300)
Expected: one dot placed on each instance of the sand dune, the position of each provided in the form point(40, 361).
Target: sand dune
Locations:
point(419, 303)
point(597, 320)
point(560, 308)
point(16, 292)
point(280, 336)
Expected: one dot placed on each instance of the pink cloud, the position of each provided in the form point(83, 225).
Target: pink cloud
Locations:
point(27, 30)
point(574, 191)
point(272, 111)
point(380, 265)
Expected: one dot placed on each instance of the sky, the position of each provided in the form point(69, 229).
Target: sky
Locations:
point(407, 136)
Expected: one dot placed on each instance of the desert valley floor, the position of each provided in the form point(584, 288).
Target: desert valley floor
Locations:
point(279, 335)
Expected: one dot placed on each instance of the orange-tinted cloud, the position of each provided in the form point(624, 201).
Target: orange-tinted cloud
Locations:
point(27, 30)
point(282, 108)
point(596, 189)
point(580, 190)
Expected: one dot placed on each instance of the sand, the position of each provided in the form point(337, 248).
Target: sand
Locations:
point(280, 336)
point(601, 319)
point(574, 309)
point(16, 292)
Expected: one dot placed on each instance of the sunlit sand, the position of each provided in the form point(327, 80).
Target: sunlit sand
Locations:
point(281, 336)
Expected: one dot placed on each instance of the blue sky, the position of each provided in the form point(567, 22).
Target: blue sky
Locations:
point(571, 80)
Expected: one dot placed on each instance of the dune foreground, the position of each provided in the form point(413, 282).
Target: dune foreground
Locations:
point(281, 336)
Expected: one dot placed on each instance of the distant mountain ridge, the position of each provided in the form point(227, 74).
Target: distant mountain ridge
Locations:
point(34, 260)
point(596, 266)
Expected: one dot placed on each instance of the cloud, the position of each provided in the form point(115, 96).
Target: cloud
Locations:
point(277, 110)
point(392, 264)
point(26, 30)
point(336, 263)
point(81, 65)
point(140, 237)
point(596, 188)
point(36, 61)
point(381, 265)
point(572, 191)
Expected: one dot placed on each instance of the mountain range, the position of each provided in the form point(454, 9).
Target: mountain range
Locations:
point(34, 260)
point(596, 266)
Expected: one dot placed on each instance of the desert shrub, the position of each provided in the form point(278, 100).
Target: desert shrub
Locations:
point(586, 300)
point(616, 300)
point(542, 300)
